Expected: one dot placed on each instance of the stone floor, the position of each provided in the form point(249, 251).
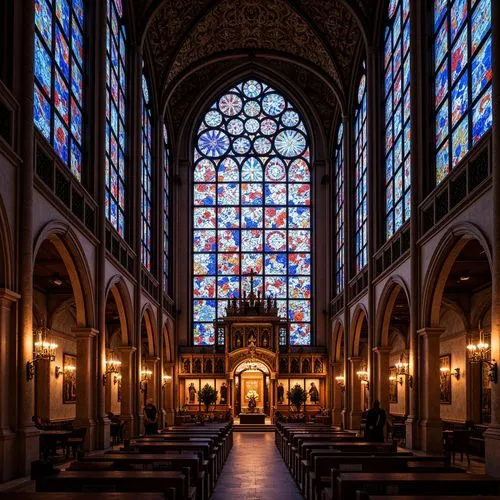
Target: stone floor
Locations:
point(255, 470)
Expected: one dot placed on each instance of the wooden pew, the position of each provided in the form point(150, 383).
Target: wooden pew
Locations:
point(431, 485)
point(182, 447)
point(173, 484)
point(413, 497)
point(325, 469)
point(166, 461)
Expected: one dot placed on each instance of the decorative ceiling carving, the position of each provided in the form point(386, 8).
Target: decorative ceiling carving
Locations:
point(338, 26)
point(252, 24)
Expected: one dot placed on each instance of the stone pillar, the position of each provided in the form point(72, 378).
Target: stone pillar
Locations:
point(355, 394)
point(28, 442)
point(7, 394)
point(492, 435)
point(430, 422)
point(338, 393)
point(127, 396)
point(382, 376)
point(86, 383)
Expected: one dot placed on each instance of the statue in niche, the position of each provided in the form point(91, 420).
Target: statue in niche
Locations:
point(283, 365)
point(294, 366)
point(306, 366)
point(252, 338)
point(318, 366)
point(281, 393)
point(313, 393)
point(265, 339)
point(208, 366)
point(219, 365)
point(223, 393)
point(186, 367)
point(197, 366)
point(192, 393)
point(238, 340)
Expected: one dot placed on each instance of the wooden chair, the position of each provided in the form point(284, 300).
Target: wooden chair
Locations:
point(75, 441)
point(460, 443)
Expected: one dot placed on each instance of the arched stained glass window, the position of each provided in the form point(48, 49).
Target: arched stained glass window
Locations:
point(463, 75)
point(59, 63)
point(397, 117)
point(116, 95)
point(146, 176)
point(251, 197)
point(339, 211)
point(360, 187)
point(166, 211)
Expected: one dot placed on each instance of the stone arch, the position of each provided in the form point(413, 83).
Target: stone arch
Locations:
point(118, 289)
point(66, 307)
point(337, 338)
point(449, 248)
point(62, 236)
point(168, 340)
point(6, 245)
point(391, 290)
point(360, 315)
point(148, 318)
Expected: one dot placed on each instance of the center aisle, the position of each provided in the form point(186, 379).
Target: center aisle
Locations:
point(255, 470)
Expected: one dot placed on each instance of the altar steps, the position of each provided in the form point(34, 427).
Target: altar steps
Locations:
point(254, 428)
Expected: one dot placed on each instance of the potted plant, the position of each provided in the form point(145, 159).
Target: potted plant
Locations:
point(297, 397)
point(207, 396)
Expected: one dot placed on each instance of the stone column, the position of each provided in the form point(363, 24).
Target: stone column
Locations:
point(28, 442)
point(127, 372)
point(338, 393)
point(492, 435)
point(355, 393)
point(382, 375)
point(430, 422)
point(8, 298)
point(86, 383)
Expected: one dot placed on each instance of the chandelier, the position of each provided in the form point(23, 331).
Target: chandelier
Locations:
point(112, 367)
point(403, 370)
point(480, 353)
point(43, 349)
point(363, 375)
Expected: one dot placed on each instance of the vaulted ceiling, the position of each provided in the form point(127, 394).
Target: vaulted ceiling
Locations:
point(313, 43)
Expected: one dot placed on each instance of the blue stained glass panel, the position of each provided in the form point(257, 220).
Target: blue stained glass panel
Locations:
point(481, 69)
point(41, 113)
point(480, 24)
point(482, 116)
point(60, 140)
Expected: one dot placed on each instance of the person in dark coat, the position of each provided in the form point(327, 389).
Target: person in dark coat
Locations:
point(375, 423)
point(150, 418)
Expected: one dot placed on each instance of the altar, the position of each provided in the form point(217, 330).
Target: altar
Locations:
point(252, 418)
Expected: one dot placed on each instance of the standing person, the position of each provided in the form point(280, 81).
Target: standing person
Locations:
point(375, 423)
point(150, 418)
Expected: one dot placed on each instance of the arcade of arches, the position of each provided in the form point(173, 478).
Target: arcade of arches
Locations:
point(249, 195)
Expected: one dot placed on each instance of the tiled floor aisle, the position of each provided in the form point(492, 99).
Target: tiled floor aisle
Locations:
point(255, 470)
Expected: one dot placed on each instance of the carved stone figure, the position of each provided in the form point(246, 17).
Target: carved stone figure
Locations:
point(281, 393)
point(192, 393)
point(313, 393)
point(223, 394)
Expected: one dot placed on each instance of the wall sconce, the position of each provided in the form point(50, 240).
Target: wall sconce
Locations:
point(363, 375)
point(340, 380)
point(456, 373)
point(165, 380)
point(117, 379)
point(112, 366)
point(68, 371)
point(43, 349)
point(399, 379)
point(403, 370)
point(479, 353)
point(145, 377)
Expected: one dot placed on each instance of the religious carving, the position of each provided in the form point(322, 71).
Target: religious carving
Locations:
point(313, 393)
point(318, 366)
point(284, 365)
point(281, 393)
point(219, 365)
point(186, 366)
point(197, 365)
point(192, 393)
point(306, 366)
point(223, 393)
point(208, 366)
point(294, 366)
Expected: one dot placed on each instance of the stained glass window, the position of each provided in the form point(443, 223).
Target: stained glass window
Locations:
point(251, 208)
point(116, 94)
point(463, 74)
point(397, 117)
point(166, 211)
point(59, 72)
point(361, 163)
point(146, 177)
point(339, 211)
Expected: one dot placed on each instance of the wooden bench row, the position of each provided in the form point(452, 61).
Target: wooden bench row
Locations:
point(181, 463)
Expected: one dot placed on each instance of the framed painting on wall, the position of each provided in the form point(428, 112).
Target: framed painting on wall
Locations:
point(69, 379)
point(445, 379)
point(393, 385)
